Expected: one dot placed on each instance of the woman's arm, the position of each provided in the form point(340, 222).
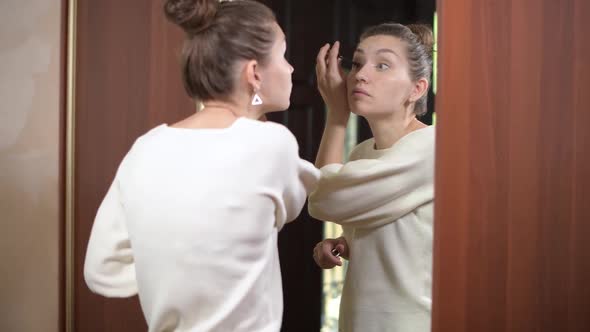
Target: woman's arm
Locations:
point(295, 177)
point(374, 192)
point(109, 267)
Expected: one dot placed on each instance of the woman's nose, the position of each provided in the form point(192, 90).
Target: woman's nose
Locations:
point(361, 74)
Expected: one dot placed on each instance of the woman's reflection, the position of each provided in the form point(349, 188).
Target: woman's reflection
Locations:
point(383, 197)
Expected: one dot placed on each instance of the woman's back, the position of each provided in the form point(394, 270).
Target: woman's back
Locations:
point(202, 209)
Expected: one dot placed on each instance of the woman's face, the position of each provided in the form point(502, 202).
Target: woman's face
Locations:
point(276, 85)
point(379, 83)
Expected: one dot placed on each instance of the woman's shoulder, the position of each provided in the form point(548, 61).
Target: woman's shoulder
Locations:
point(242, 126)
point(272, 133)
point(246, 134)
point(270, 127)
point(362, 150)
point(418, 140)
point(427, 133)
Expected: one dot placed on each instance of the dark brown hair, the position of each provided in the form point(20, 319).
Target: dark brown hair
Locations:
point(218, 34)
point(420, 42)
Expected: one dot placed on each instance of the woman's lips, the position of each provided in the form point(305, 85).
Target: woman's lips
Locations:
point(360, 92)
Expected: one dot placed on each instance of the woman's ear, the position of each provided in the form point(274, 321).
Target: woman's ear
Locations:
point(253, 76)
point(420, 88)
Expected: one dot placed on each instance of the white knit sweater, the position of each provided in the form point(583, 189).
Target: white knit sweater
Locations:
point(384, 201)
point(191, 221)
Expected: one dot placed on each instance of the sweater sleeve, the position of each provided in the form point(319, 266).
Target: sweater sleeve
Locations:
point(109, 267)
point(298, 178)
point(374, 192)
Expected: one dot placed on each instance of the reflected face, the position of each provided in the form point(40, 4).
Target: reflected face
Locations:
point(276, 86)
point(379, 83)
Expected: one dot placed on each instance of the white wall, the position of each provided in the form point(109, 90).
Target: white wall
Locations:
point(30, 51)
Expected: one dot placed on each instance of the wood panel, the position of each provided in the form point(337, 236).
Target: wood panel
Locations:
point(513, 167)
point(128, 81)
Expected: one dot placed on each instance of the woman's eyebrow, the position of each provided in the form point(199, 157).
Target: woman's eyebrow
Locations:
point(387, 50)
point(381, 50)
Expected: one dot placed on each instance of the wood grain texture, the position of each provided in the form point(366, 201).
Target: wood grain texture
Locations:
point(513, 167)
point(128, 81)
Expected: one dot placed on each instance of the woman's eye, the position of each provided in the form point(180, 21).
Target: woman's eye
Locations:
point(382, 66)
point(355, 64)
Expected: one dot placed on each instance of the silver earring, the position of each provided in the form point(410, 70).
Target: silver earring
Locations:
point(256, 100)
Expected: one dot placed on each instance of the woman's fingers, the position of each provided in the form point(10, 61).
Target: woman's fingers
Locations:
point(323, 255)
point(327, 257)
point(316, 253)
point(343, 247)
point(333, 67)
point(320, 67)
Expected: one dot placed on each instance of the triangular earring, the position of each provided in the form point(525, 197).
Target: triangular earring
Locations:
point(256, 100)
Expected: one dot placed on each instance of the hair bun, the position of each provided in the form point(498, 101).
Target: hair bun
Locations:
point(193, 16)
point(424, 34)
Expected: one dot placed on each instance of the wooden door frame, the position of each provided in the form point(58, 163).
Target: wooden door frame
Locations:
point(68, 155)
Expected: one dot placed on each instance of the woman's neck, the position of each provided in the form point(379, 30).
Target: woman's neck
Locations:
point(225, 108)
point(216, 114)
point(387, 131)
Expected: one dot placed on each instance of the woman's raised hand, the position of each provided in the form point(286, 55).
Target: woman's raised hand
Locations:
point(332, 83)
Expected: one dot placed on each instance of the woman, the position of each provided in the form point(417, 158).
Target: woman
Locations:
point(383, 196)
point(190, 222)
